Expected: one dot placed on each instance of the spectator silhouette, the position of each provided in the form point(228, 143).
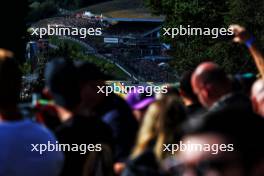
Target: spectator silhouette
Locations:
point(214, 89)
point(62, 81)
point(18, 134)
point(113, 110)
point(189, 98)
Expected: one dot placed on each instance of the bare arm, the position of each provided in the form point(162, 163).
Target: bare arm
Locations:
point(258, 58)
point(242, 36)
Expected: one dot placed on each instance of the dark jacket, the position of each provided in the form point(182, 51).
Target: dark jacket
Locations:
point(143, 165)
point(81, 130)
point(116, 113)
point(236, 100)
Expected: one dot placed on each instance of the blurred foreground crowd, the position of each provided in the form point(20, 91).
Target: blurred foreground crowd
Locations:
point(135, 135)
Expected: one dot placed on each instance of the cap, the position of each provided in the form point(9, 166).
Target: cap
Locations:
point(138, 101)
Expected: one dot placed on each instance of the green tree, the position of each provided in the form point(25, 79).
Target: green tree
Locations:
point(189, 51)
point(40, 10)
point(74, 4)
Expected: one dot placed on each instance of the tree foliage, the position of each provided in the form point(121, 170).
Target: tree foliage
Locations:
point(189, 51)
point(40, 10)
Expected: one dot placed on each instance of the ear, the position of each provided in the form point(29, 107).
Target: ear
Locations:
point(208, 90)
point(204, 93)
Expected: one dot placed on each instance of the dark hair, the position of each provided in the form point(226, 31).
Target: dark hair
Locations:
point(186, 87)
point(90, 72)
point(174, 114)
point(13, 32)
point(10, 81)
point(62, 80)
point(243, 82)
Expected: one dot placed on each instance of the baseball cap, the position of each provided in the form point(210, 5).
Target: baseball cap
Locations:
point(139, 101)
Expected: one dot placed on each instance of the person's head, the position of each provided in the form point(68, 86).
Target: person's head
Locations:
point(218, 144)
point(160, 125)
point(210, 83)
point(13, 29)
point(243, 82)
point(208, 162)
point(257, 97)
point(172, 114)
point(90, 78)
point(62, 82)
point(148, 129)
point(10, 80)
point(185, 89)
point(139, 103)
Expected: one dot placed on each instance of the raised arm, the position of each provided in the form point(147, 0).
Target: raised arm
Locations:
point(244, 37)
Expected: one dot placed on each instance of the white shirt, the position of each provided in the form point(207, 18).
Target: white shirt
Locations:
point(16, 155)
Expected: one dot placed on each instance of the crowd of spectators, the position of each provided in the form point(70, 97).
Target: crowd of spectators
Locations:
point(137, 136)
point(134, 29)
point(149, 70)
point(69, 22)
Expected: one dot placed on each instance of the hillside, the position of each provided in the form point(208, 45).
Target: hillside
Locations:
point(121, 9)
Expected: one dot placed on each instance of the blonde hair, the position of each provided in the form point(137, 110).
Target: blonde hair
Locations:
point(171, 116)
point(160, 124)
point(148, 129)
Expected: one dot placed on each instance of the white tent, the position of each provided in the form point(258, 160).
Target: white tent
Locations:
point(88, 14)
